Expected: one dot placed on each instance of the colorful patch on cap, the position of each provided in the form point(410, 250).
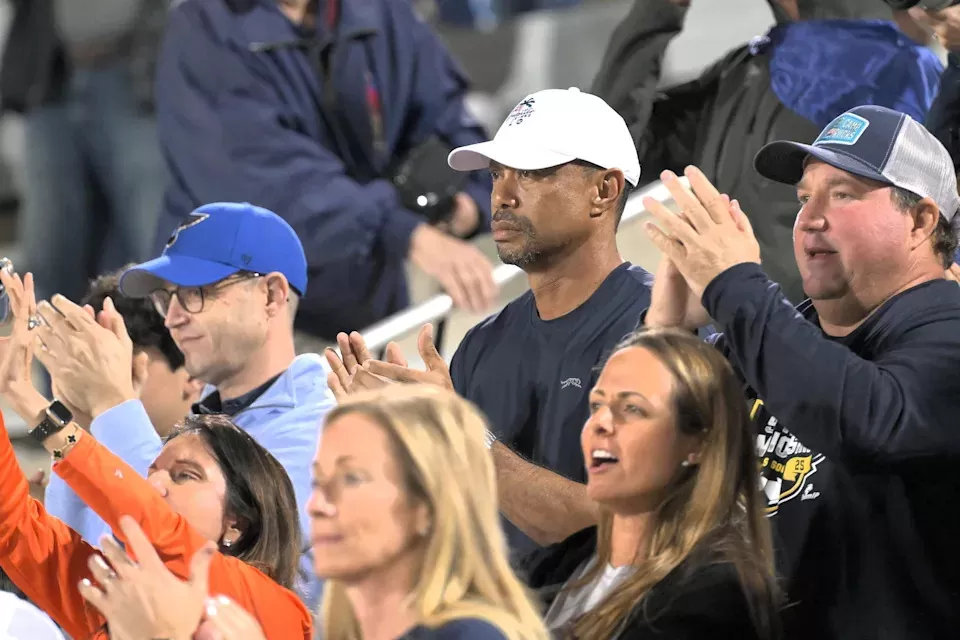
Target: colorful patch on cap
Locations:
point(521, 112)
point(846, 129)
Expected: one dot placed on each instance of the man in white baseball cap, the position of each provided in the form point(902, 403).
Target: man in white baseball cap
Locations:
point(562, 163)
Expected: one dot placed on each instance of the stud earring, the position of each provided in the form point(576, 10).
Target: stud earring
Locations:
point(685, 463)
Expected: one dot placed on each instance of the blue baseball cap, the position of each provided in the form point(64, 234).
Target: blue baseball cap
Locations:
point(216, 241)
point(876, 143)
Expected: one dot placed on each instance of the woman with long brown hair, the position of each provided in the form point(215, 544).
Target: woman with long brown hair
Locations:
point(683, 546)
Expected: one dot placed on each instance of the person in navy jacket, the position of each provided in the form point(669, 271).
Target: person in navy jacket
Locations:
point(301, 108)
point(854, 393)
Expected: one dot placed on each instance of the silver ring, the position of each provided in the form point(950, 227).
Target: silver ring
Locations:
point(33, 322)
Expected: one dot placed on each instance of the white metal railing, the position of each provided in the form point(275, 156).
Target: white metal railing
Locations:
point(440, 306)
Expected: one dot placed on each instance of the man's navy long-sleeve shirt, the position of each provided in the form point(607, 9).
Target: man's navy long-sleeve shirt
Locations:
point(239, 96)
point(860, 454)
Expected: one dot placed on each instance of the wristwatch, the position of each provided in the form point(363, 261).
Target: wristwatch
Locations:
point(55, 418)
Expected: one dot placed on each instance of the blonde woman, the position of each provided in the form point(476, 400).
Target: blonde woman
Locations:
point(404, 528)
point(683, 548)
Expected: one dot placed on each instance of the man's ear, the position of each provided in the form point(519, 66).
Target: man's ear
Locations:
point(278, 292)
point(925, 215)
point(609, 187)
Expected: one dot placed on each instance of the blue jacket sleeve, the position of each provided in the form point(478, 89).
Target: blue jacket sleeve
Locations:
point(127, 432)
point(836, 402)
point(439, 99)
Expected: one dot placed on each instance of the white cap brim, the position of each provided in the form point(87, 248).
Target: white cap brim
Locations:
point(478, 156)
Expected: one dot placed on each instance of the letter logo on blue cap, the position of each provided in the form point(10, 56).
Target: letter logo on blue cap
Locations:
point(845, 129)
point(192, 220)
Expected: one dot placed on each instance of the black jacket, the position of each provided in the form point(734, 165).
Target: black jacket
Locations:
point(696, 600)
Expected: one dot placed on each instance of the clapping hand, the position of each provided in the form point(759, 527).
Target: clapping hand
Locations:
point(142, 598)
point(348, 374)
point(16, 350)
point(437, 372)
point(90, 359)
point(708, 237)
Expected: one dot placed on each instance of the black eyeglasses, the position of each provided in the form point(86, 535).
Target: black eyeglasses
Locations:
point(191, 298)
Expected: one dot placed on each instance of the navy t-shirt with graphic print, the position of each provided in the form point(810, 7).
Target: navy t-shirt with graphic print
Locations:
point(531, 377)
point(859, 454)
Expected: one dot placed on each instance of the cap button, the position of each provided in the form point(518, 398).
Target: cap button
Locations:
point(577, 89)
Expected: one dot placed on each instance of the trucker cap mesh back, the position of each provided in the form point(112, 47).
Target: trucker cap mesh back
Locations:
point(919, 163)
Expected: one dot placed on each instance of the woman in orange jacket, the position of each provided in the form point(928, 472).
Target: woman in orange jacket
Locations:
point(211, 483)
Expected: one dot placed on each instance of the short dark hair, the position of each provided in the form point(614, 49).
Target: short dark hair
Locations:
point(624, 195)
point(945, 235)
point(258, 493)
point(144, 323)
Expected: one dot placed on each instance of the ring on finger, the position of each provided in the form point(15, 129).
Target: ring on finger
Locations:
point(33, 322)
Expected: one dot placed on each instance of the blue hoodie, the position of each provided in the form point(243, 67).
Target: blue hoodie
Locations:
point(285, 420)
point(238, 112)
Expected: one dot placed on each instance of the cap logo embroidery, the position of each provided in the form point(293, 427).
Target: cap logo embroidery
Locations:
point(521, 112)
point(192, 220)
point(846, 130)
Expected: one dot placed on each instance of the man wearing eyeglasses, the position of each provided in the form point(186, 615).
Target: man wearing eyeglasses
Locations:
point(227, 284)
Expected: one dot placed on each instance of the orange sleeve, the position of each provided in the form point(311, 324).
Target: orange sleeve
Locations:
point(112, 488)
point(42, 555)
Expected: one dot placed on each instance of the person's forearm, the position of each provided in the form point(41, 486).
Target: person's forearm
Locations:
point(544, 505)
point(42, 555)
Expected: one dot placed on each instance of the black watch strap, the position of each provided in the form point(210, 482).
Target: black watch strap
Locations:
point(55, 418)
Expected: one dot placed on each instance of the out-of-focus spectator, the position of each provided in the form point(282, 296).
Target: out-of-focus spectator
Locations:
point(821, 59)
point(228, 285)
point(854, 393)
point(82, 75)
point(563, 165)
point(944, 117)
point(405, 527)
point(683, 546)
point(312, 110)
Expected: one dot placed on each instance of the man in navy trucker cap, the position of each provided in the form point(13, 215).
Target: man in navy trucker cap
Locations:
point(228, 283)
point(854, 393)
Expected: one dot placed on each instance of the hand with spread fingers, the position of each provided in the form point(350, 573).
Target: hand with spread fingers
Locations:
point(90, 359)
point(710, 236)
point(142, 598)
point(17, 349)
point(348, 375)
point(437, 372)
point(226, 620)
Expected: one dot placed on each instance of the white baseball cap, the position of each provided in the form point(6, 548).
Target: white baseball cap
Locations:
point(20, 620)
point(553, 127)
